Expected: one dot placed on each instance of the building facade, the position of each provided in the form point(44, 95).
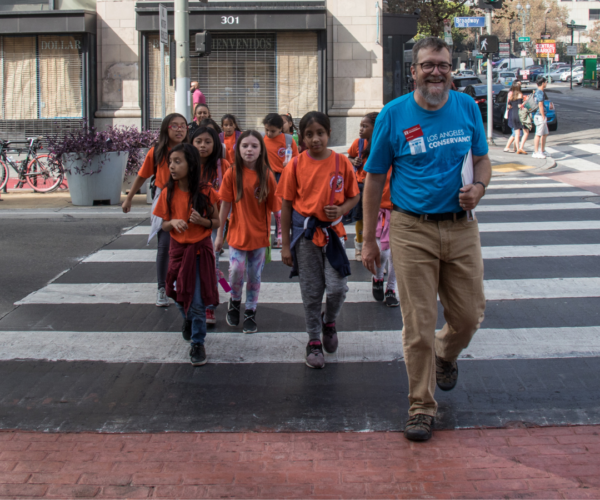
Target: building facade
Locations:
point(342, 57)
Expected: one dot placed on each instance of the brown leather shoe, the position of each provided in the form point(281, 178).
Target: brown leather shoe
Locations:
point(446, 373)
point(419, 427)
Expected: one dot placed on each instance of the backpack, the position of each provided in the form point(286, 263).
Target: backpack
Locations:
point(222, 139)
point(288, 139)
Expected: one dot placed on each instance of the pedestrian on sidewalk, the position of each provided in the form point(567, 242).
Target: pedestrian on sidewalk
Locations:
point(188, 209)
point(248, 192)
point(281, 148)
point(318, 188)
point(358, 154)
point(511, 139)
point(173, 131)
point(230, 135)
point(212, 169)
point(197, 95)
point(514, 122)
point(540, 120)
point(201, 113)
point(426, 136)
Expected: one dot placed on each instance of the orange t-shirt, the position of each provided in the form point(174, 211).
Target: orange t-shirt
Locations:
point(386, 197)
point(309, 188)
point(162, 171)
point(276, 151)
point(250, 223)
point(225, 166)
point(353, 153)
point(180, 209)
point(229, 145)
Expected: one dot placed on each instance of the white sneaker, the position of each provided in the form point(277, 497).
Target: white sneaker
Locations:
point(161, 298)
point(546, 153)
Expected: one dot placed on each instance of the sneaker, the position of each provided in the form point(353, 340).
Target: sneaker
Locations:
point(161, 298)
point(210, 316)
point(314, 354)
point(330, 338)
point(390, 299)
point(250, 321)
point(198, 355)
point(545, 153)
point(446, 373)
point(418, 427)
point(233, 313)
point(186, 330)
point(541, 156)
point(378, 290)
point(358, 251)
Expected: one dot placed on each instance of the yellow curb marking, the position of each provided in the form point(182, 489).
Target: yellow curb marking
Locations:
point(510, 167)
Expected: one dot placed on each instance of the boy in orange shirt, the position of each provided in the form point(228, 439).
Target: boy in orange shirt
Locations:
point(358, 154)
point(318, 188)
point(248, 190)
point(188, 209)
point(279, 146)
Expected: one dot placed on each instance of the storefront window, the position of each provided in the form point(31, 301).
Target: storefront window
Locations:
point(247, 74)
point(23, 5)
point(41, 77)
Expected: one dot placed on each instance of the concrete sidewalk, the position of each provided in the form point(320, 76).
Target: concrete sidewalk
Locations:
point(547, 462)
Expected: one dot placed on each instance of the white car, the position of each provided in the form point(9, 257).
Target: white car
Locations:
point(567, 75)
point(465, 72)
point(506, 78)
point(556, 74)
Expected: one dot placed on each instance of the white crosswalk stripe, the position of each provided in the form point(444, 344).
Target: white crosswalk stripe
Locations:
point(377, 344)
point(580, 157)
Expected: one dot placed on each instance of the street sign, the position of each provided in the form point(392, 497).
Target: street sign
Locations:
point(469, 22)
point(162, 24)
point(587, 56)
point(488, 44)
point(447, 31)
point(524, 39)
point(571, 50)
point(523, 53)
point(504, 45)
point(504, 54)
point(479, 56)
point(545, 36)
point(545, 48)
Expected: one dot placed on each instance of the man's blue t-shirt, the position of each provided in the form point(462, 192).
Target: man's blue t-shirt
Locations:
point(426, 150)
point(539, 98)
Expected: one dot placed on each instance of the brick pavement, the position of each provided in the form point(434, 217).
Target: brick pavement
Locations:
point(547, 462)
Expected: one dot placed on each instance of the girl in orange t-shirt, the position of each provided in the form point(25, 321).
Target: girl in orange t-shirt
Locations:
point(318, 188)
point(173, 131)
point(276, 143)
point(358, 153)
point(248, 190)
point(213, 167)
point(188, 210)
point(230, 135)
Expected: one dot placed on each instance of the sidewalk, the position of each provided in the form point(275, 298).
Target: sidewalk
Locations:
point(548, 462)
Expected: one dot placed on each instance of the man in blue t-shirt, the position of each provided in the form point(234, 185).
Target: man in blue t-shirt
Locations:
point(426, 137)
point(540, 120)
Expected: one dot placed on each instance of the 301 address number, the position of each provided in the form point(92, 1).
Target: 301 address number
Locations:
point(230, 20)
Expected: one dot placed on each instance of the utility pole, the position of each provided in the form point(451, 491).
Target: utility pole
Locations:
point(182, 65)
point(523, 14)
point(490, 107)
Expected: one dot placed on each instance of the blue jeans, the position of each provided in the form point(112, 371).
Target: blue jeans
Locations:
point(196, 313)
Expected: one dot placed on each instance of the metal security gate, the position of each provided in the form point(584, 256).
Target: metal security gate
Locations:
point(248, 75)
point(41, 85)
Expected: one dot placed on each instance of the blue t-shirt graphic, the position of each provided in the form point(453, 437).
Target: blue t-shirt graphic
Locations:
point(426, 150)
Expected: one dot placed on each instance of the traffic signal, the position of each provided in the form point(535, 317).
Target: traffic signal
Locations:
point(490, 4)
point(203, 43)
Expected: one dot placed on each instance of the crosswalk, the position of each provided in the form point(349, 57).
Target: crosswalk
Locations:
point(541, 249)
point(579, 157)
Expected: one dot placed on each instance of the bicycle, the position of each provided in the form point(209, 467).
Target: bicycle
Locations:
point(41, 175)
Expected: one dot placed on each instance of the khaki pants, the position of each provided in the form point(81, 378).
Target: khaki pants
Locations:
point(434, 258)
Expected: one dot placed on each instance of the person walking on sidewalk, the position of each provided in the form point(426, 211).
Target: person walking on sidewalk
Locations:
point(426, 136)
point(540, 121)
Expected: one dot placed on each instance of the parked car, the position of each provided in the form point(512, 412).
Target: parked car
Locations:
point(462, 82)
point(464, 72)
point(567, 75)
point(554, 75)
point(500, 109)
point(479, 93)
point(506, 78)
point(554, 66)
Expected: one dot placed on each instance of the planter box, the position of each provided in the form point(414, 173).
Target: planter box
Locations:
point(101, 181)
point(128, 182)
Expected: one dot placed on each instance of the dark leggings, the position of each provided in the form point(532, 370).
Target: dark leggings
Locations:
point(162, 257)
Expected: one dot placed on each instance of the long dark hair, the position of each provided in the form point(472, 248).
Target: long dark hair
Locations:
point(233, 120)
point(209, 122)
point(263, 169)
point(288, 118)
point(209, 169)
point(315, 116)
point(162, 144)
point(198, 200)
point(370, 117)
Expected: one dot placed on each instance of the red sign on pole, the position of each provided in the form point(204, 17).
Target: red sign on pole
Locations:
point(545, 48)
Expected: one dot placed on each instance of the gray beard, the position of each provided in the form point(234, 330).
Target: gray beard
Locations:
point(433, 99)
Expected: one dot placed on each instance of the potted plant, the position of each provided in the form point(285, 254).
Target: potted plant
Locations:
point(140, 143)
point(94, 163)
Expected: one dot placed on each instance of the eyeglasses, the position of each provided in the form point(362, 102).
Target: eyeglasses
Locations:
point(427, 67)
point(178, 127)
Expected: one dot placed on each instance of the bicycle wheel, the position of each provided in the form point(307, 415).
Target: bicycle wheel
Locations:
point(42, 176)
point(3, 174)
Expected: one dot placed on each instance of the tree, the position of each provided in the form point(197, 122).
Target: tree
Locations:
point(594, 34)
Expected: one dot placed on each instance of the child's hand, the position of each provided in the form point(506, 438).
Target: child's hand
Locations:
point(333, 212)
point(179, 225)
point(218, 243)
point(357, 162)
point(286, 256)
point(196, 218)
